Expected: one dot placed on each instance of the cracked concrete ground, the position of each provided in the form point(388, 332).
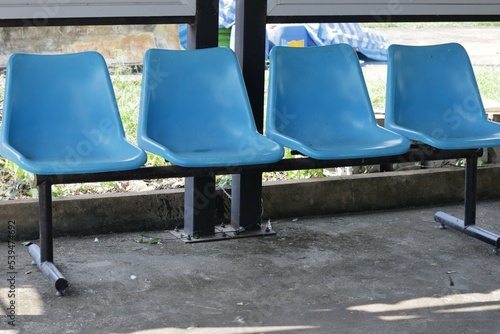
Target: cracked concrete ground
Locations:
point(383, 272)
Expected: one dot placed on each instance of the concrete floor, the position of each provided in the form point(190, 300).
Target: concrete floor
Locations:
point(382, 272)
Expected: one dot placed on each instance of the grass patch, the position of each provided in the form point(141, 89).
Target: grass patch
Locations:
point(127, 87)
point(488, 81)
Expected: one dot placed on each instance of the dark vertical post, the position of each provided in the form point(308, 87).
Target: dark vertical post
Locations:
point(204, 33)
point(250, 48)
point(45, 217)
point(199, 205)
point(199, 196)
point(470, 191)
point(246, 201)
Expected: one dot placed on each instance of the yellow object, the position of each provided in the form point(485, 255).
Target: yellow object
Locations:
point(298, 44)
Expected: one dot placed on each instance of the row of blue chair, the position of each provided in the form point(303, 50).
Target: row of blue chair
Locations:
point(60, 114)
point(319, 105)
point(61, 117)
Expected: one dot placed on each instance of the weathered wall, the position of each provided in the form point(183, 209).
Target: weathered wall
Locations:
point(118, 44)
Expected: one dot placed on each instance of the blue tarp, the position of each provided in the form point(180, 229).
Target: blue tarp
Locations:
point(367, 41)
point(226, 13)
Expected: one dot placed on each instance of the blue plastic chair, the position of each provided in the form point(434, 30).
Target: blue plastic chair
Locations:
point(60, 116)
point(432, 97)
point(195, 111)
point(318, 105)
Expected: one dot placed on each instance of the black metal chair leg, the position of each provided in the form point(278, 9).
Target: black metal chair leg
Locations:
point(43, 256)
point(468, 225)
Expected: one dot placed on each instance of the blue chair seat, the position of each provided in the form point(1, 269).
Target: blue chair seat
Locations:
point(318, 104)
point(60, 116)
point(195, 111)
point(120, 157)
point(483, 135)
point(234, 154)
point(433, 97)
point(372, 143)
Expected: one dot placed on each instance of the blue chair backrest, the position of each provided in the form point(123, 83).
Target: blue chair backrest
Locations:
point(56, 102)
point(194, 100)
point(317, 95)
point(433, 90)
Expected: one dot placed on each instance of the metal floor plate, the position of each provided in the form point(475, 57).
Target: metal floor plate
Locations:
point(222, 233)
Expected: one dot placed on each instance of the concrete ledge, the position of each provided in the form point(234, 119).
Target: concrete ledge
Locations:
point(159, 210)
point(370, 192)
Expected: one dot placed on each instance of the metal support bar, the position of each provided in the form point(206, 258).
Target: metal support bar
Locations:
point(470, 195)
point(375, 18)
point(415, 154)
point(250, 48)
point(48, 269)
point(471, 230)
point(246, 201)
point(199, 205)
point(199, 196)
point(43, 256)
point(93, 21)
point(204, 32)
point(45, 223)
point(468, 225)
